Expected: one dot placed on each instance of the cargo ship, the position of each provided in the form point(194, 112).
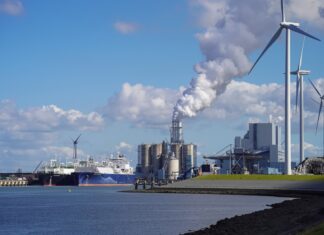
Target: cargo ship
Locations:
point(115, 171)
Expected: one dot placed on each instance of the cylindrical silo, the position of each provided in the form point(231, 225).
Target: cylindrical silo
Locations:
point(173, 169)
point(144, 157)
point(188, 159)
point(156, 151)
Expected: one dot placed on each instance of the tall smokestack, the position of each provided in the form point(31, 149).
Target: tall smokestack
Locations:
point(176, 131)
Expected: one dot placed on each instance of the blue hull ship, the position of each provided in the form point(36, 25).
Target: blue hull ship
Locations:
point(93, 179)
point(110, 172)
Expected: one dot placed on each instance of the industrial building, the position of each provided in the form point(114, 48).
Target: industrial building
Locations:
point(259, 151)
point(312, 165)
point(168, 161)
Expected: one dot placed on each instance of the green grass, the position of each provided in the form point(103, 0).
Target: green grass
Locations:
point(317, 230)
point(263, 177)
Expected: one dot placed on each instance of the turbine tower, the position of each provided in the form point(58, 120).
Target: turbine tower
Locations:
point(75, 147)
point(288, 26)
point(300, 73)
point(320, 110)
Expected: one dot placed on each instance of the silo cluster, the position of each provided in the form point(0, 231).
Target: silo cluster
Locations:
point(168, 160)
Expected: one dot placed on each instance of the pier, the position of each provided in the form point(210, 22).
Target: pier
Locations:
point(10, 182)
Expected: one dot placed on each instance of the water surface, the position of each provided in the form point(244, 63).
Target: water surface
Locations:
point(105, 210)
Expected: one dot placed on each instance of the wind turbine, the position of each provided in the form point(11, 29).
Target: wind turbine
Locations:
point(300, 73)
point(75, 147)
point(320, 110)
point(288, 26)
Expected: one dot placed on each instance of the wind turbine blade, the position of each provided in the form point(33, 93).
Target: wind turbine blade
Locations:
point(282, 12)
point(315, 88)
point(298, 30)
point(273, 39)
point(316, 101)
point(77, 138)
point(297, 89)
point(319, 114)
point(301, 55)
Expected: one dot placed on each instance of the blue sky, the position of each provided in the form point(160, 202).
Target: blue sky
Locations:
point(75, 45)
point(113, 70)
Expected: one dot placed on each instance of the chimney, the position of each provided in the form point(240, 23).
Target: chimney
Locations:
point(176, 131)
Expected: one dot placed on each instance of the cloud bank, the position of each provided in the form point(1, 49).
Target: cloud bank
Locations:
point(32, 133)
point(48, 118)
point(142, 105)
point(147, 106)
point(259, 102)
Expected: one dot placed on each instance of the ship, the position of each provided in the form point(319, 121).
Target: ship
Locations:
point(56, 173)
point(113, 171)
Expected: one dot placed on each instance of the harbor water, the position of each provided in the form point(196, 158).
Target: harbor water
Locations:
point(106, 210)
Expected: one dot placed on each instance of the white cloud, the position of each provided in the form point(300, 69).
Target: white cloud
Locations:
point(27, 158)
point(31, 134)
point(11, 7)
point(313, 15)
point(123, 147)
point(126, 27)
point(244, 101)
point(142, 105)
point(49, 118)
point(310, 150)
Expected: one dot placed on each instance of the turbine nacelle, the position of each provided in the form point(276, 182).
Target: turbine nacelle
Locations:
point(287, 24)
point(304, 72)
point(301, 72)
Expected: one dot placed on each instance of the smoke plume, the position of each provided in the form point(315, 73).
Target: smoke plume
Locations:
point(233, 29)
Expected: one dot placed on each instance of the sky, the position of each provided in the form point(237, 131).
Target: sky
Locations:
point(118, 72)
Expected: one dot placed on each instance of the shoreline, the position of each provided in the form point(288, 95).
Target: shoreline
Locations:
point(294, 216)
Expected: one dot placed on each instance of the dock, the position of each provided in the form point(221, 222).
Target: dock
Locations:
point(13, 182)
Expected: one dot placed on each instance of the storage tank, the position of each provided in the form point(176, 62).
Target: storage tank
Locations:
point(156, 152)
point(176, 150)
point(173, 169)
point(189, 159)
point(144, 157)
point(189, 163)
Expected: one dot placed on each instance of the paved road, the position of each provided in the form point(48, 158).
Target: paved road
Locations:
point(250, 184)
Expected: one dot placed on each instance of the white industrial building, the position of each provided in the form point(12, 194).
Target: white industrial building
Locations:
point(259, 151)
point(262, 137)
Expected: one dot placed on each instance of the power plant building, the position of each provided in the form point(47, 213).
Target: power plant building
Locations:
point(265, 137)
point(258, 151)
point(168, 160)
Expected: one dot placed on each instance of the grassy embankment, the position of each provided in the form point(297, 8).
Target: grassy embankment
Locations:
point(263, 177)
point(317, 230)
